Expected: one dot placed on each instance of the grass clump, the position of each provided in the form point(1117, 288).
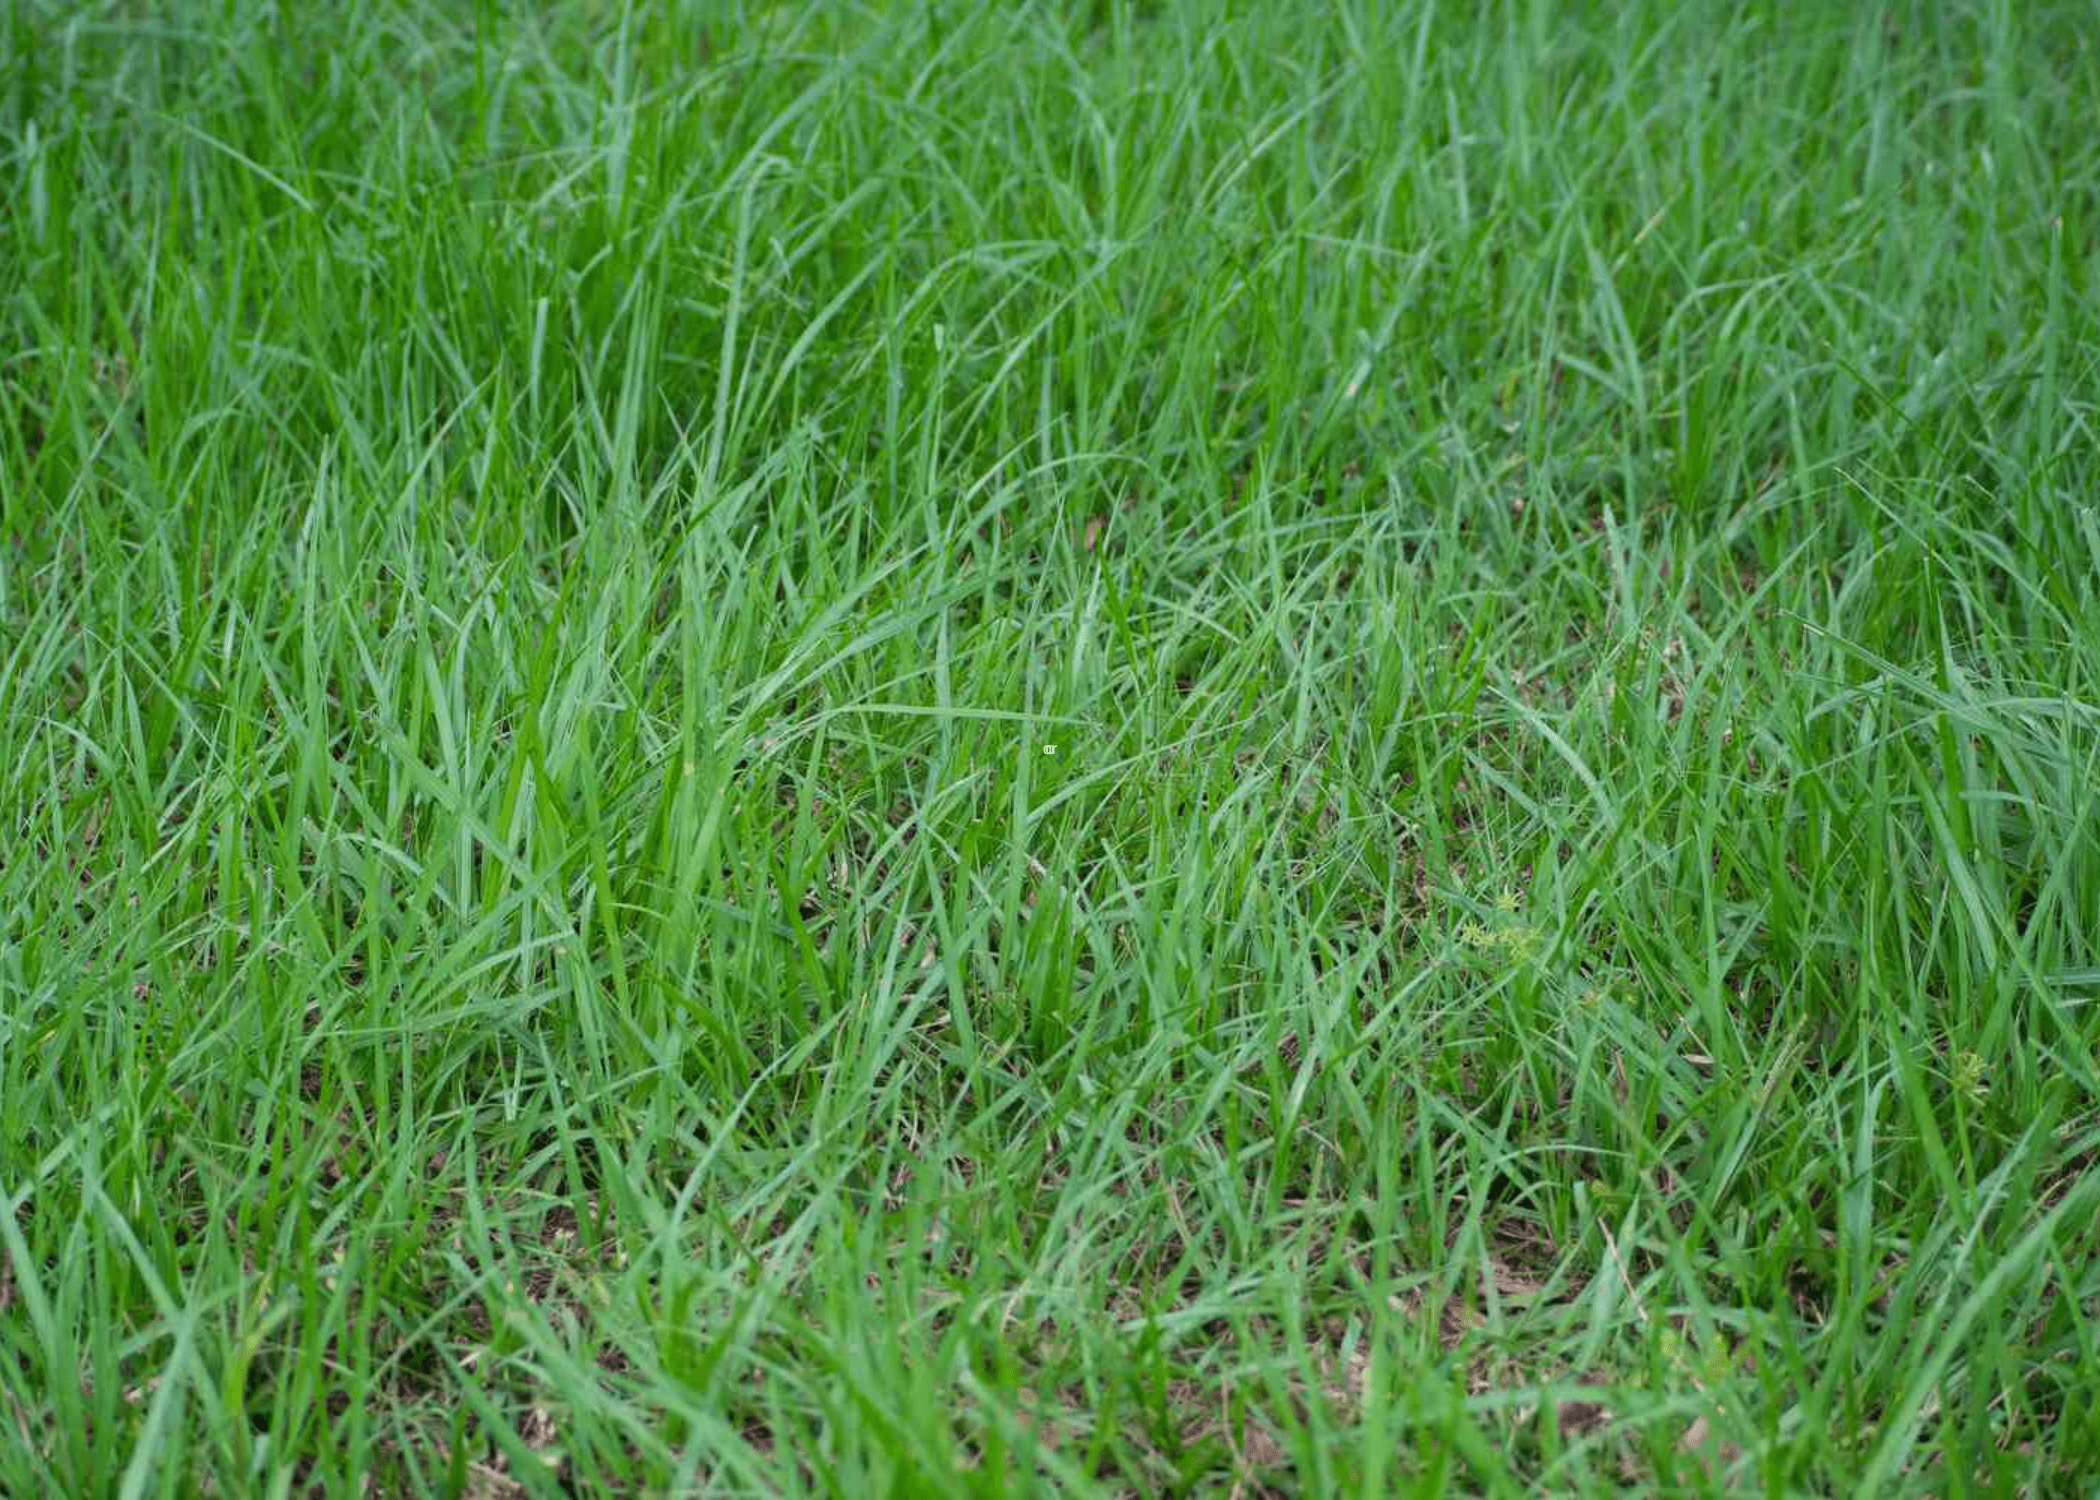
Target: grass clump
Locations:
point(1130, 748)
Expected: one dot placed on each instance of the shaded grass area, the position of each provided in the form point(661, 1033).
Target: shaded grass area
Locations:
point(1124, 748)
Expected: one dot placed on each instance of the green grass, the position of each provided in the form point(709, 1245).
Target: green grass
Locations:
point(1156, 748)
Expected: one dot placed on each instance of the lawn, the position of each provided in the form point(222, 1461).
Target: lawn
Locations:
point(1145, 747)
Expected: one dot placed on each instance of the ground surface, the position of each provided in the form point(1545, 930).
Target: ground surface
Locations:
point(1147, 748)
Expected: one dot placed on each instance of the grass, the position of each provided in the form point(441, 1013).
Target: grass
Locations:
point(1145, 748)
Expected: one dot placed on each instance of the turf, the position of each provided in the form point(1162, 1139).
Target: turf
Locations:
point(1111, 748)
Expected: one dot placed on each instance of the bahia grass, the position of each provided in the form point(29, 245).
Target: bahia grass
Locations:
point(1116, 748)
